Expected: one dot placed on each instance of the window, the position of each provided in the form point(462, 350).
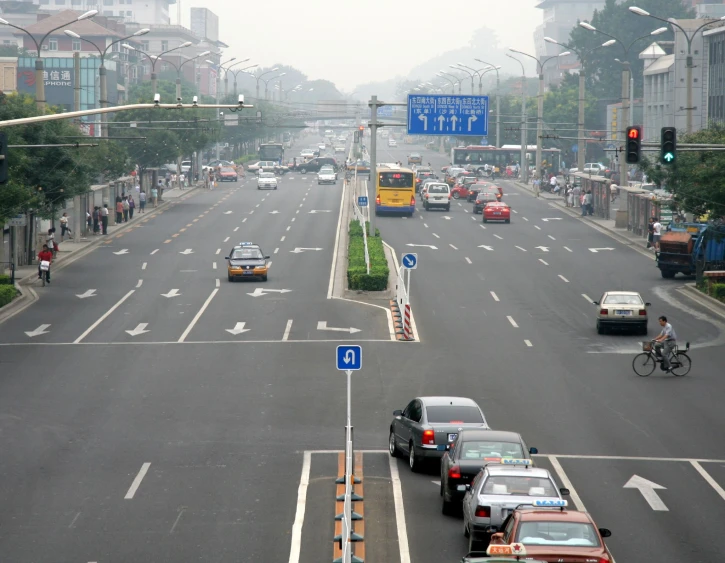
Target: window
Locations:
point(519, 486)
point(486, 449)
point(164, 45)
point(396, 180)
point(558, 533)
point(76, 45)
point(44, 2)
point(449, 413)
point(144, 46)
point(108, 2)
point(53, 45)
point(60, 2)
point(76, 2)
point(108, 13)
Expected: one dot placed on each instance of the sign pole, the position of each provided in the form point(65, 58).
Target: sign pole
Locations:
point(407, 291)
point(373, 156)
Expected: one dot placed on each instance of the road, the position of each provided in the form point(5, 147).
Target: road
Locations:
point(188, 442)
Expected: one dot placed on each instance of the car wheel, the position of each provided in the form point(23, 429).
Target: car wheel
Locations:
point(264, 278)
point(456, 195)
point(600, 328)
point(392, 448)
point(413, 459)
point(303, 170)
point(448, 208)
point(507, 221)
point(230, 278)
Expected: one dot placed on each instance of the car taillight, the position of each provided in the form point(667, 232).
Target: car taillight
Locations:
point(603, 311)
point(429, 437)
point(377, 200)
point(454, 472)
point(483, 512)
point(642, 312)
point(412, 200)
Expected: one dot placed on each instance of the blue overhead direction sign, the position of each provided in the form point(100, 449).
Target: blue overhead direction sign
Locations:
point(410, 261)
point(362, 201)
point(448, 115)
point(349, 357)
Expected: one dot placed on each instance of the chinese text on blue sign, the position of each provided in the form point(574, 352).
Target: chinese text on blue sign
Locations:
point(362, 201)
point(448, 115)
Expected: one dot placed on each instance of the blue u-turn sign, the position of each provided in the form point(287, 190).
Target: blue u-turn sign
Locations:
point(349, 357)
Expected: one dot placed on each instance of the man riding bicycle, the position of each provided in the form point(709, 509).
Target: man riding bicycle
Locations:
point(666, 341)
point(45, 255)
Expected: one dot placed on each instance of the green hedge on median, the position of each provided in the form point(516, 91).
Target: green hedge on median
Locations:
point(718, 291)
point(357, 276)
point(4, 280)
point(7, 294)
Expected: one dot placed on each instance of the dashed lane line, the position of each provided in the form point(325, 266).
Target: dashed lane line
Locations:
point(237, 228)
point(528, 343)
point(569, 249)
point(522, 249)
point(213, 265)
point(552, 238)
point(563, 278)
point(524, 218)
point(282, 239)
point(537, 227)
point(218, 250)
point(512, 321)
point(436, 236)
point(137, 481)
point(495, 297)
point(227, 239)
point(143, 266)
point(468, 260)
point(276, 250)
point(585, 296)
point(544, 262)
point(287, 330)
point(498, 237)
point(453, 247)
point(154, 251)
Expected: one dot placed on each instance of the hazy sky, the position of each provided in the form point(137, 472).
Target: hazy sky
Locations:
point(353, 42)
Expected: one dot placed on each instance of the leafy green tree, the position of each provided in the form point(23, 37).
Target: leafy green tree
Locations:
point(603, 72)
point(695, 181)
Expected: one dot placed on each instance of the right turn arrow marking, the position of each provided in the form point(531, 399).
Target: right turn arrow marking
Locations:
point(648, 490)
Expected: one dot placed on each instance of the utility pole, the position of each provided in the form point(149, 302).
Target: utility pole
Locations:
point(373, 157)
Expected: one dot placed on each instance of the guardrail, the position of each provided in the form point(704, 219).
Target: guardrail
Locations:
point(401, 307)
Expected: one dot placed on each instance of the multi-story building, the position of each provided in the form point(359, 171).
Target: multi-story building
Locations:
point(559, 18)
point(715, 57)
point(144, 11)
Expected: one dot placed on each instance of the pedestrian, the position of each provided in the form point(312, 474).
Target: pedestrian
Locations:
point(96, 220)
point(89, 221)
point(126, 207)
point(650, 232)
point(142, 201)
point(656, 232)
point(64, 228)
point(182, 181)
point(50, 241)
point(154, 196)
point(588, 207)
point(570, 197)
point(119, 210)
point(131, 206)
point(104, 218)
point(173, 180)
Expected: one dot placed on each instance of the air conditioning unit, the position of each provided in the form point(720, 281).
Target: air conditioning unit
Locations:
point(44, 47)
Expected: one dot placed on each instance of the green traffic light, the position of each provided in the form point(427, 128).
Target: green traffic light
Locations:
point(668, 157)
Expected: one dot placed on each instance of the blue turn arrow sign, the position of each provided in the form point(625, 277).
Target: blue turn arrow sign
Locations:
point(410, 261)
point(349, 358)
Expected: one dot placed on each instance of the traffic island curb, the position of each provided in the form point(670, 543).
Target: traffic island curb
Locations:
point(690, 289)
point(26, 298)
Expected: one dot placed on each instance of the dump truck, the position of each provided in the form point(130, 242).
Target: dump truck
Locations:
point(687, 243)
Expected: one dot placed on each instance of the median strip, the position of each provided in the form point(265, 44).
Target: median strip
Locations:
point(357, 276)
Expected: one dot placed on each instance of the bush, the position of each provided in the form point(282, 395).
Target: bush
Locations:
point(718, 291)
point(357, 276)
point(7, 294)
point(246, 158)
point(4, 280)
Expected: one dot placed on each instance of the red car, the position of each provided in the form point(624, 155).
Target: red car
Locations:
point(496, 211)
point(460, 189)
point(555, 535)
point(227, 174)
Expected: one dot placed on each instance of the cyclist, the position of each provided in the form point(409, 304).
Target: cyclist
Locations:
point(44, 255)
point(666, 340)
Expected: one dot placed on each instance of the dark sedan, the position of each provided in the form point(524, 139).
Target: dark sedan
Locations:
point(483, 198)
point(472, 450)
point(425, 428)
point(473, 189)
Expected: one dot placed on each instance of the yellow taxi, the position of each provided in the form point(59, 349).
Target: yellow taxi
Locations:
point(247, 261)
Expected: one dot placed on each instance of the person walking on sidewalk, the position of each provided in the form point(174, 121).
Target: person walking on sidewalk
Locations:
point(125, 209)
point(50, 241)
point(64, 228)
point(131, 206)
point(104, 218)
point(154, 196)
point(182, 181)
point(142, 201)
point(119, 210)
point(89, 222)
point(96, 220)
point(45, 255)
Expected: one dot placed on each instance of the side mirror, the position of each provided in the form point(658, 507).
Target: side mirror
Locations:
point(604, 532)
point(564, 492)
point(397, 413)
point(266, 257)
point(227, 258)
point(595, 302)
point(448, 447)
point(648, 304)
point(468, 487)
point(533, 450)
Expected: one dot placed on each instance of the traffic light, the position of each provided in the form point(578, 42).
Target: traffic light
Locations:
point(668, 145)
point(3, 157)
point(634, 144)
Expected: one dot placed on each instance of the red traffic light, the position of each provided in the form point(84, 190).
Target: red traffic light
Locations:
point(633, 133)
point(362, 128)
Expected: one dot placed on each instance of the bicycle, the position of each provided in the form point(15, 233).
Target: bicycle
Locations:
point(44, 271)
point(646, 362)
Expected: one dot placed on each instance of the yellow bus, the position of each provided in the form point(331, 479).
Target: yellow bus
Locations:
point(395, 191)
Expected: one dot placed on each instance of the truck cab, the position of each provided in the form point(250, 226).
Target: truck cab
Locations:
point(680, 248)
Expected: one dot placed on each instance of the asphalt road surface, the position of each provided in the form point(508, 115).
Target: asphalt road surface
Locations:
point(189, 442)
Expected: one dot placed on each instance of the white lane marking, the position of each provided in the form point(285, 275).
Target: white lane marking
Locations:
point(564, 478)
point(296, 545)
point(213, 265)
point(498, 237)
point(552, 238)
point(137, 481)
point(537, 227)
point(524, 218)
point(198, 315)
point(171, 531)
point(468, 260)
point(293, 219)
point(543, 262)
point(296, 212)
point(276, 250)
point(257, 205)
point(705, 475)
point(453, 247)
point(74, 520)
point(436, 236)
point(269, 265)
point(287, 330)
point(154, 252)
point(473, 218)
point(143, 266)
point(399, 512)
point(515, 211)
point(217, 282)
point(563, 278)
point(237, 228)
point(425, 225)
point(528, 343)
point(523, 249)
point(585, 296)
point(460, 205)
point(388, 314)
point(569, 249)
point(482, 226)
point(304, 198)
point(139, 284)
point(512, 321)
point(288, 228)
point(218, 250)
point(300, 205)
point(227, 239)
point(282, 239)
point(104, 316)
point(495, 297)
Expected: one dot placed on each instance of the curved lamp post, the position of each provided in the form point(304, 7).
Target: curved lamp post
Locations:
point(154, 59)
point(523, 165)
point(226, 75)
point(257, 77)
point(236, 72)
point(178, 71)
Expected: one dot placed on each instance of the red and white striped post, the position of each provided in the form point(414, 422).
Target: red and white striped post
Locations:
point(407, 327)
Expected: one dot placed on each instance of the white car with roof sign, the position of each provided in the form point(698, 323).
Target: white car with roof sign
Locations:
point(266, 181)
point(326, 175)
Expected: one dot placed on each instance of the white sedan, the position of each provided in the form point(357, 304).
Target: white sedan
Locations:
point(266, 181)
point(621, 309)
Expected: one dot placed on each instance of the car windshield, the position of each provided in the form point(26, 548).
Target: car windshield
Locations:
point(623, 300)
point(453, 414)
point(266, 175)
point(414, 155)
point(483, 196)
point(247, 253)
point(482, 449)
point(519, 486)
point(226, 169)
point(558, 533)
point(326, 170)
point(438, 189)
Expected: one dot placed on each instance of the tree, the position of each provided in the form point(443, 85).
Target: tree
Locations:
point(695, 181)
point(603, 71)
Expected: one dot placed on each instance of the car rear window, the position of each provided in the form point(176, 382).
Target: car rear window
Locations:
point(623, 300)
point(453, 413)
point(438, 189)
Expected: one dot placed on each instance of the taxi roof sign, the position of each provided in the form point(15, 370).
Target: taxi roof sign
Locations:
point(511, 461)
point(559, 503)
point(513, 549)
point(246, 244)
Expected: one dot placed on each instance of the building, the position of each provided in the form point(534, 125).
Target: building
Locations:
point(559, 18)
point(205, 24)
point(8, 74)
point(142, 11)
point(707, 8)
point(715, 57)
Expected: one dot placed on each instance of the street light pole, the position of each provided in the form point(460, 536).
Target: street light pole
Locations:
point(180, 67)
point(154, 59)
point(467, 72)
point(236, 72)
point(498, 99)
point(265, 84)
point(524, 165)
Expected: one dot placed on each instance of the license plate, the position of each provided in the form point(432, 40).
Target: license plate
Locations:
point(623, 312)
point(496, 213)
point(248, 273)
point(452, 437)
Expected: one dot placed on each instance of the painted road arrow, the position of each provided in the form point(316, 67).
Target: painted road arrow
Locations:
point(140, 329)
point(321, 211)
point(595, 250)
point(187, 251)
point(648, 488)
point(38, 331)
point(172, 293)
point(322, 325)
point(88, 293)
point(238, 329)
point(274, 212)
point(424, 246)
point(543, 248)
point(124, 251)
point(486, 247)
point(298, 250)
point(552, 219)
point(264, 291)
